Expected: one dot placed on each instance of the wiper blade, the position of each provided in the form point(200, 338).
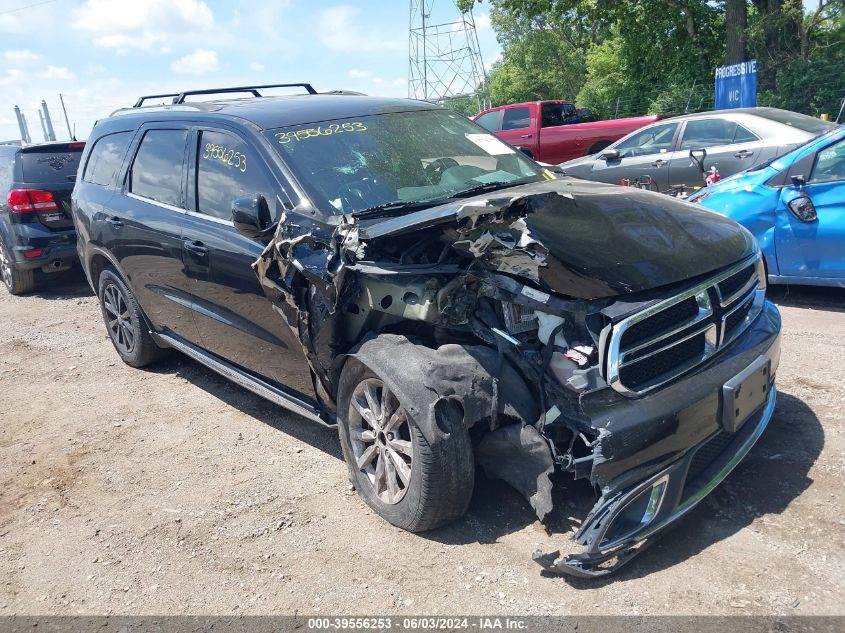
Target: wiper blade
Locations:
point(396, 205)
point(490, 186)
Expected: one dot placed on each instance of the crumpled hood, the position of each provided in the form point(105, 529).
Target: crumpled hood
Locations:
point(584, 239)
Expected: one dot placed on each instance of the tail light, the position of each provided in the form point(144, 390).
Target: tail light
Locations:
point(27, 200)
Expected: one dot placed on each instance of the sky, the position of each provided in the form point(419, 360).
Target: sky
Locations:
point(103, 54)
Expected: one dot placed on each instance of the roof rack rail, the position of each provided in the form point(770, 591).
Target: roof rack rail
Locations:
point(179, 97)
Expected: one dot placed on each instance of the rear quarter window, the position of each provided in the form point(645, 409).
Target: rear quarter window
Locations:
point(55, 166)
point(106, 158)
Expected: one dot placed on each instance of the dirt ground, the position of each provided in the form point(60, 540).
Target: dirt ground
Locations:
point(172, 491)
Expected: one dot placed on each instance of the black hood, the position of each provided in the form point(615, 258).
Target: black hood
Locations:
point(584, 239)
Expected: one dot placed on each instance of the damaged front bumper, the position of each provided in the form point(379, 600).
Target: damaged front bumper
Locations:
point(630, 515)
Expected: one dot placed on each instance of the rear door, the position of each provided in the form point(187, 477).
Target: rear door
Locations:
point(518, 129)
point(815, 249)
point(731, 148)
point(644, 153)
point(51, 168)
point(234, 316)
point(143, 227)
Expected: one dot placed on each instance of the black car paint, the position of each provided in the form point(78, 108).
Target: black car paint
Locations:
point(194, 275)
point(608, 241)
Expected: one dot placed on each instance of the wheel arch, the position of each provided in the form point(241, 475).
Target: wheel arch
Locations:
point(429, 381)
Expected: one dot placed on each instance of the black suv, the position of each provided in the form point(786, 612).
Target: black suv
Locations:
point(36, 228)
point(389, 267)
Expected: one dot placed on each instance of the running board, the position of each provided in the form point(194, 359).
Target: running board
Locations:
point(245, 380)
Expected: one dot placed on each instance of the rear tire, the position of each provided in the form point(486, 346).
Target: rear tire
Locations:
point(17, 281)
point(440, 477)
point(125, 323)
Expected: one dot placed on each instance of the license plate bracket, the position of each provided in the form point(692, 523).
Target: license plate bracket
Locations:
point(745, 393)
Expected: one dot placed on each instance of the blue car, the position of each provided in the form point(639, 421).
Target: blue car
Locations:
point(795, 207)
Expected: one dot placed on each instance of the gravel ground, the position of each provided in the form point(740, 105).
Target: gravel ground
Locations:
point(171, 491)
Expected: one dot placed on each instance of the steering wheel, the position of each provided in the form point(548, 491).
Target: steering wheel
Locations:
point(434, 170)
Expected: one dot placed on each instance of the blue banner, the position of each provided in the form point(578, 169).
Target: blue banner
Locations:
point(736, 85)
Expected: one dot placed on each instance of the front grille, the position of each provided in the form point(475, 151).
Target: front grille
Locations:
point(660, 322)
point(735, 282)
point(736, 318)
point(670, 338)
point(641, 372)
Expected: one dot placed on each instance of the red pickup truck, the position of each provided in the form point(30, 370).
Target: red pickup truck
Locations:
point(552, 131)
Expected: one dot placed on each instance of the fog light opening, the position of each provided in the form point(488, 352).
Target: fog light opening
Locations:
point(635, 515)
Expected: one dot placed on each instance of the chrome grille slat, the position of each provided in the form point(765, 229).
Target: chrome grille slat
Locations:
point(722, 319)
point(702, 315)
point(753, 281)
point(696, 332)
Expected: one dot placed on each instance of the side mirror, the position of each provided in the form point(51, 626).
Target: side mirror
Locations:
point(610, 154)
point(799, 181)
point(697, 157)
point(527, 152)
point(251, 215)
point(803, 208)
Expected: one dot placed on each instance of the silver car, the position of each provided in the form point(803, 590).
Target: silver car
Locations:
point(734, 140)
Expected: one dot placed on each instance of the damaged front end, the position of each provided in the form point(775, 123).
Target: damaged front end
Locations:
point(578, 330)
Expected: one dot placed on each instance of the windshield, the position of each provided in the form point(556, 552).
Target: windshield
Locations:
point(359, 163)
point(796, 120)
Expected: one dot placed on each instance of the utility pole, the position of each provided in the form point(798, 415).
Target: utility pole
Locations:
point(444, 55)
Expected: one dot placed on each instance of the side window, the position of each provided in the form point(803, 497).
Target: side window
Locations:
point(553, 114)
point(708, 133)
point(227, 169)
point(652, 140)
point(157, 169)
point(830, 164)
point(490, 121)
point(105, 159)
point(744, 136)
point(516, 118)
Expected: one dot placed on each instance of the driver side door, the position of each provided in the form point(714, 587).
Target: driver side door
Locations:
point(815, 249)
point(235, 319)
point(644, 153)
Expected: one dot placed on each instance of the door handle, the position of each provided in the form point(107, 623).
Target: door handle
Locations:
point(115, 222)
point(659, 162)
point(743, 153)
point(196, 247)
point(526, 135)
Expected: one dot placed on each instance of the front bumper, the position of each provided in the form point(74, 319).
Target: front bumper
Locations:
point(678, 495)
point(651, 483)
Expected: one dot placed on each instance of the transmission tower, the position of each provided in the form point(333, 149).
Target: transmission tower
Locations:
point(445, 57)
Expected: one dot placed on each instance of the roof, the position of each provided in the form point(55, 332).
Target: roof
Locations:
point(277, 111)
point(758, 111)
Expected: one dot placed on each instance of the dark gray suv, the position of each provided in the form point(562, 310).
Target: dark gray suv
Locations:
point(388, 267)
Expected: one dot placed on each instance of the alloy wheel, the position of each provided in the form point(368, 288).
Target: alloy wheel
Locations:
point(380, 435)
point(5, 266)
point(118, 319)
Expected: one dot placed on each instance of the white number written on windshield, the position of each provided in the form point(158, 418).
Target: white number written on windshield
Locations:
point(314, 132)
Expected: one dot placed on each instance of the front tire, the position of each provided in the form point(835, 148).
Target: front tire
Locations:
point(125, 323)
point(409, 482)
point(17, 281)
